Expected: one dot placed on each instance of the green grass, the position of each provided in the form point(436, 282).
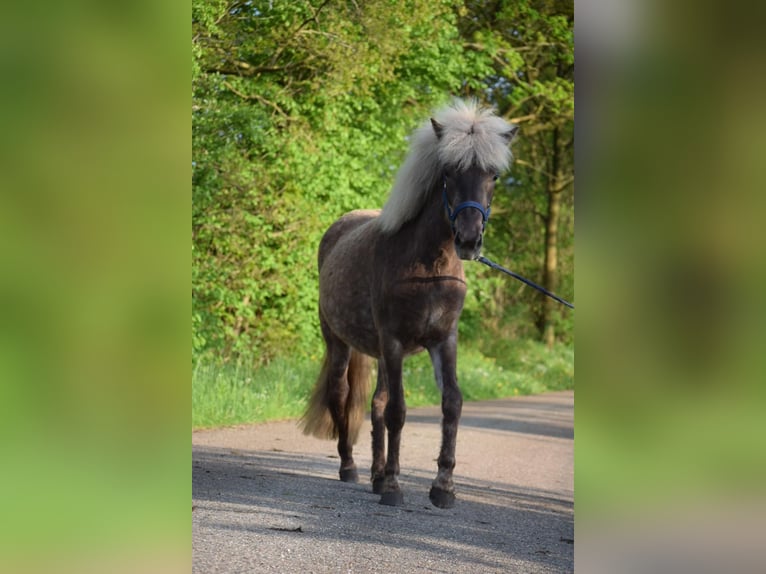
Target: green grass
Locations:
point(527, 367)
point(228, 394)
point(231, 394)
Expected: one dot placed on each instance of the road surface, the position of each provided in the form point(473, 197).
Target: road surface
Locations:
point(265, 498)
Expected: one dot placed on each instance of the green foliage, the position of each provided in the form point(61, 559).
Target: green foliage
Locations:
point(530, 48)
point(522, 368)
point(300, 112)
point(234, 393)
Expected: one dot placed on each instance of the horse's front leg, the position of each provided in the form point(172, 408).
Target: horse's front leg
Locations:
point(377, 414)
point(444, 360)
point(394, 415)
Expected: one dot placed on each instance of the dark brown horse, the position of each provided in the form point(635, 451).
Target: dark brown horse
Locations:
point(391, 283)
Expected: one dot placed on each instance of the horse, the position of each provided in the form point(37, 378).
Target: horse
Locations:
point(391, 284)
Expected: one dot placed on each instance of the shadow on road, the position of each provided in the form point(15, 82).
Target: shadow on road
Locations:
point(283, 495)
point(502, 423)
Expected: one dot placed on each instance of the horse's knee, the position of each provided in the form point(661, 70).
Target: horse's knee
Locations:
point(452, 405)
point(395, 414)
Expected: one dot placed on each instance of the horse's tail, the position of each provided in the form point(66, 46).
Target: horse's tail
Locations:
point(359, 367)
point(318, 419)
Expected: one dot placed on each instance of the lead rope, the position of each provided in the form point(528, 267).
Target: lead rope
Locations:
point(494, 265)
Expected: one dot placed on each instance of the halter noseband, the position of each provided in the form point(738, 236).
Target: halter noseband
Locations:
point(465, 205)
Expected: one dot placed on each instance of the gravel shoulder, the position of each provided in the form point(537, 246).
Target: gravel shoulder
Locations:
point(266, 498)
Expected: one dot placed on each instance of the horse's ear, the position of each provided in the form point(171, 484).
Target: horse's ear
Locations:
point(438, 128)
point(510, 135)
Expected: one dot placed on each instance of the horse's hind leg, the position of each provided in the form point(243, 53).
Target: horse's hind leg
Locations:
point(338, 356)
point(379, 400)
point(444, 359)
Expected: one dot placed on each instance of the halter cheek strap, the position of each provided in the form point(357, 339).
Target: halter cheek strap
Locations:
point(452, 214)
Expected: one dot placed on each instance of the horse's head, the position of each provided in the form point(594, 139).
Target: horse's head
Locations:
point(467, 191)
point(467, 198)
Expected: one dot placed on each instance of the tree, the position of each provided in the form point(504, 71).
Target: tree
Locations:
point(531, 47)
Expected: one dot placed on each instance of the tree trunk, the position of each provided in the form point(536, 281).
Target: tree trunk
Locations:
point(554, 186)
point(550, 270)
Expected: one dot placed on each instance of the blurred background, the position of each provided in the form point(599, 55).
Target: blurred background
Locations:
point(94, 303)
point(670, 435)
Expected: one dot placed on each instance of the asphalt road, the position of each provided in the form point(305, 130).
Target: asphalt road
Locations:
point(265, 498)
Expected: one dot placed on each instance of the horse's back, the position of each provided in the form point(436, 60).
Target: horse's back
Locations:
point(342, 227)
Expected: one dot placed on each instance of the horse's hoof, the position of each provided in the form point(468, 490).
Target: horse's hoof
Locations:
point(349, 475)
point(377, 485)
point(441, 498)
point(393, 498)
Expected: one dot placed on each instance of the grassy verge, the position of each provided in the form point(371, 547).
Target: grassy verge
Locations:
point(231, 394)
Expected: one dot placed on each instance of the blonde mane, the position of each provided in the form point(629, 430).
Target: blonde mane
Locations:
point(469, 136)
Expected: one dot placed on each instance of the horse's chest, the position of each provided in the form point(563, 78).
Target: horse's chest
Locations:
point(420, 313)
point(442, 307)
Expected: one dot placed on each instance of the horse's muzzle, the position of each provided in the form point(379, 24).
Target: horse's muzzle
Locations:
point(470, 249)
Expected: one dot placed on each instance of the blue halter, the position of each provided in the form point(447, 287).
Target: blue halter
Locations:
point(465, 205)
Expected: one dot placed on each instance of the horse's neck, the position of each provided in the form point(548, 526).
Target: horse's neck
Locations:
point(432, 234)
